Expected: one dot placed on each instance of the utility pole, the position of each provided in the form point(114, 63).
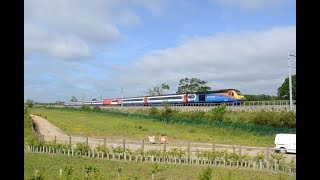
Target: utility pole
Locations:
point(121, 98)
point(290, 81)
point(82, 98)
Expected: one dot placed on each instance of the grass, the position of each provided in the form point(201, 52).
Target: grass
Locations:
point(49, 166)
point(115, 126)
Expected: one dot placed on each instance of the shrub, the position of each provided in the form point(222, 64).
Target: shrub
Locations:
point(118, 149)
point(102, 148)
point(96, 108)
point(206, 174)
point(82, 147)
point(216, 113)
point(153, 111)
point(259, 157)
point(85, 107)
point(37, 176)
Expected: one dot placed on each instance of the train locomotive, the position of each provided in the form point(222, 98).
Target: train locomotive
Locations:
point(216, 96)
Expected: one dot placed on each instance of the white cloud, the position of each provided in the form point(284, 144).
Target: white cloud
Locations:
point(71, 29)
point(250, 4)
point(247, 61)
point(48, 43)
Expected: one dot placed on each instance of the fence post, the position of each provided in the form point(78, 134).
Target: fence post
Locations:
point(267, 153)
point(42, 137)
point(70, 140)
point(142, 146)
point(105, 141)
point(213, 147)
point(87, 141)
point(124, 145)
point(188, 150)
point(240, 150)
point(164, 146)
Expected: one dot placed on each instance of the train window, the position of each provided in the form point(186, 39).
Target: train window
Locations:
point(125, 100)
point(232, 94)
point(166, 98)
point(191, 96)
point(239, 93)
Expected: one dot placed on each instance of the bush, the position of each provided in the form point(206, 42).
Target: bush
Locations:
point(206, 174)
point(102, 148)
point(167, 111)
point(82, 147)
point(194, 115)
point(37, 176)
point(153, 111)
point(263, 117)
point(216, 113)
point(96, 108)
point(259, 157)
point(85, 107)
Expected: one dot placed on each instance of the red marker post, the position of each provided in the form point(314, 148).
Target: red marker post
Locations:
point(163, 139)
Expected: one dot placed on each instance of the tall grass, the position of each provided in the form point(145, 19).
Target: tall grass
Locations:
point(99, 124)
point(49, 165)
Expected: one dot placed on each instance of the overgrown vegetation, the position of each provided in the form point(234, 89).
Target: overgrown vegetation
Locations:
point(54, 166)
point(44, 166)
point(132, 125)
point(282, 119)
point(29, 134)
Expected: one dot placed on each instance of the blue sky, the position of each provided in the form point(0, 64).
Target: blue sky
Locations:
point(95, 48)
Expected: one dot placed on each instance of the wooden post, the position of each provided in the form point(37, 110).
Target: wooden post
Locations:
point(213, 147)
point(105, 141)
point(240, 150)
point(70, 140)
point(267, 153)
point(142, 146)
point(87, 141)
point(124, 145)
point(188, 150)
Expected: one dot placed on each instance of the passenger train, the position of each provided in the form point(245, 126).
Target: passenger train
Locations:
point(217, 96)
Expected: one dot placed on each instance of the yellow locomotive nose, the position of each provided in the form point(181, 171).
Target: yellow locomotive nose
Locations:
point(241, 97)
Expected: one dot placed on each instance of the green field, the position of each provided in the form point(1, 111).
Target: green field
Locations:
point(94, 124)
point(49, 166)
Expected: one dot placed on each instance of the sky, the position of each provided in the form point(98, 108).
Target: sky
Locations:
point(111, 48)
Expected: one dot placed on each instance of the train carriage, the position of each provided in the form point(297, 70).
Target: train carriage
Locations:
point(219, 96)
point(216, 96)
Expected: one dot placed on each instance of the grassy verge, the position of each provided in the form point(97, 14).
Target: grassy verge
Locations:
point(49, 166)
point(102, 125)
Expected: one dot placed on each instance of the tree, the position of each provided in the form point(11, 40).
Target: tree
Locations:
point(58, 103)
point(283, 90)
point(192, 85)
point(94, 99)
point(261, 97)
point(73, 99)
point(29, 103)
point(158, 90)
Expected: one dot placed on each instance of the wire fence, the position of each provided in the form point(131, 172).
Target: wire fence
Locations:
point(184, 159)
point(145, 145)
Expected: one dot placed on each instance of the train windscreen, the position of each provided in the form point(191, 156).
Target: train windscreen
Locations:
point(239, 93)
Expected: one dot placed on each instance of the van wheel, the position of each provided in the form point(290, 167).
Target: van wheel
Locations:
point(283, 150)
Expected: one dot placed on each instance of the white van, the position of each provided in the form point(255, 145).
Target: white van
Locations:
point(285, 143)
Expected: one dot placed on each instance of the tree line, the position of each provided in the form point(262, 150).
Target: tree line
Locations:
point(187, 85)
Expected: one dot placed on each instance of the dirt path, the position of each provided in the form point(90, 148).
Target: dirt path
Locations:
point(47, 129)
point(50, 132)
